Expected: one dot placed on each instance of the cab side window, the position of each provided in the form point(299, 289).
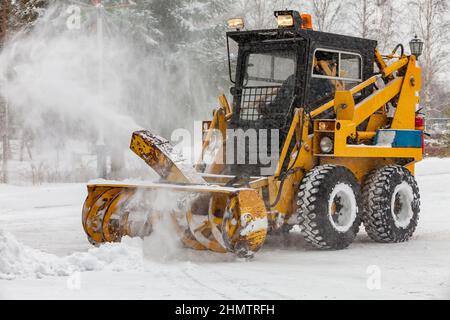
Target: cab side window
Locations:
point(326, 64)
point(351, 67)
point(333, 71)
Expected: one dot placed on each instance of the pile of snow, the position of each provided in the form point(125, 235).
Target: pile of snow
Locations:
point(118, 257)
point(20, 261)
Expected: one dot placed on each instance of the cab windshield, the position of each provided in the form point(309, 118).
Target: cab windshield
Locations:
point(269, 69)
point(268, 85)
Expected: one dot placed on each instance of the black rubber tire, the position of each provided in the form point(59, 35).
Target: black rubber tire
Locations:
point(313, 207)
point(378, 192)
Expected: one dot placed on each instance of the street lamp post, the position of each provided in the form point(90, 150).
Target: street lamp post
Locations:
point(102, 170)
point(99, 7)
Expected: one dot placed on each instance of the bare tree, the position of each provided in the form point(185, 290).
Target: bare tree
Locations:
point(25, 12)
point(326, 13)
point(375, 19)
point(431, 23)
point(4, 118)
point(385, 26)
point(258, 10)
point(364, 12)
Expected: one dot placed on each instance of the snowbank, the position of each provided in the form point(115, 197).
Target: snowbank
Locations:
point(20, 261)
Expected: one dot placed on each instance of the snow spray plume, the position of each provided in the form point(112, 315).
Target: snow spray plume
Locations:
point(158, 216)
point(152, 214)
point(77, 80)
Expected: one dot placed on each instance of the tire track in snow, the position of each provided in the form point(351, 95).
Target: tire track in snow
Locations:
point(202, 284)
point(178, 276)
point(177, 281)
point(230, 280)
point(54, 206)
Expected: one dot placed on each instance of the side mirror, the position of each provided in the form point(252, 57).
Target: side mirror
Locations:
point(233, 91)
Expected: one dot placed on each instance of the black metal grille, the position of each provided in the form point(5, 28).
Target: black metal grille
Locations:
point(262, 107)
point(268, 102)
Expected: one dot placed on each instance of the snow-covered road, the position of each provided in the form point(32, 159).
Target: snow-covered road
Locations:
point(42, 242)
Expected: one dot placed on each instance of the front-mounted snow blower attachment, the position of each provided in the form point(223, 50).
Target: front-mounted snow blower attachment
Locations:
point(350, 132)
point(218, 218)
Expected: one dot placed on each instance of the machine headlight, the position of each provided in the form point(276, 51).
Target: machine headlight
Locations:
point(326, 126)
point(236, 23)
point(285, 21)
point(326, 145)
point(323, 126)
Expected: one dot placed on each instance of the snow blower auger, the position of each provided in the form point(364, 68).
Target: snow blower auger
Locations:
point(347, 120)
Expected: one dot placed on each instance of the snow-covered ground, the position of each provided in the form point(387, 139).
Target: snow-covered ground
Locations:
point(44, 254)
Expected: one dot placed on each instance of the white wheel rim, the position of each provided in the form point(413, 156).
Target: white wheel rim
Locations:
point(401, 205)
point(342, 207)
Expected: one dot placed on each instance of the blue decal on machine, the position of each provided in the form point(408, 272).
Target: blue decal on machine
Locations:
point(399, 138)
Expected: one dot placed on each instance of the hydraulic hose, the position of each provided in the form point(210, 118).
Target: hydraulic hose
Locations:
point(397, 47)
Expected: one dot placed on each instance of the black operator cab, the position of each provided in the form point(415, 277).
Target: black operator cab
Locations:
point(278, 70)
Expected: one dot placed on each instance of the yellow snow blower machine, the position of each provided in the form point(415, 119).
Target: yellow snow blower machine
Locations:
point(349, 131)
